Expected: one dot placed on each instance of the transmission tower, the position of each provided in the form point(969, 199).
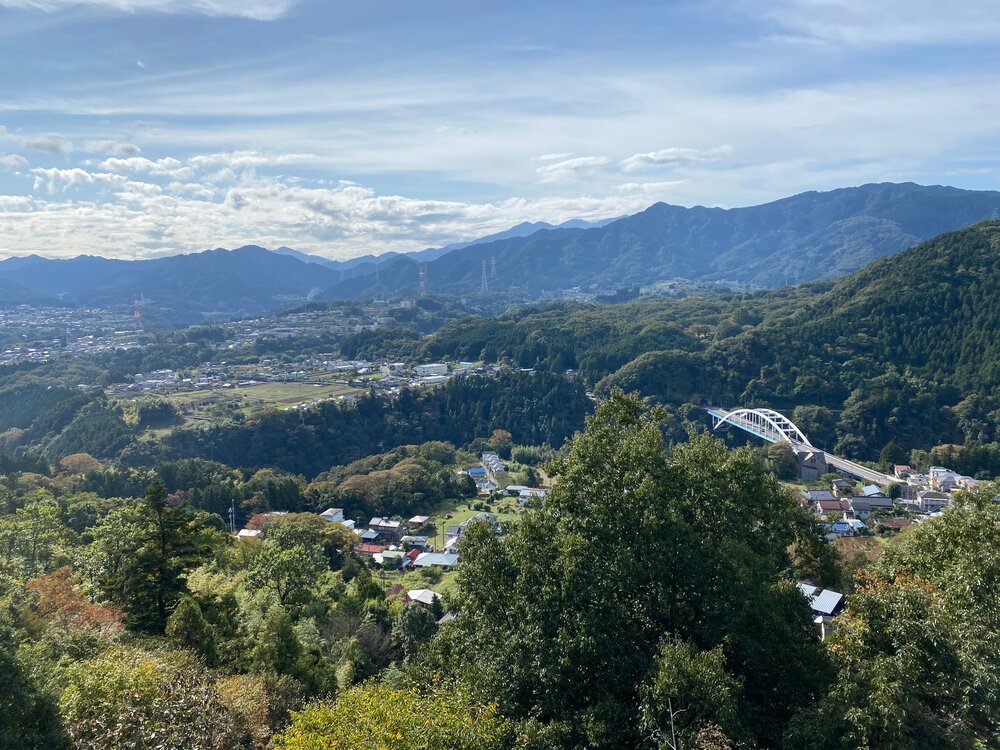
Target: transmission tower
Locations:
point(232, 517)
point(485, 287)
point(493, 267)
point(137, 311)
point(422, 288)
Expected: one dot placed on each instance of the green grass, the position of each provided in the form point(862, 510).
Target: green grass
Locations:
point(280, 395)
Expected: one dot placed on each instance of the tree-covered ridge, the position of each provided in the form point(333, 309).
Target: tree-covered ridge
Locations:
point(802, 237)
point(648, 603)
point(904, 350)
point(537, 408)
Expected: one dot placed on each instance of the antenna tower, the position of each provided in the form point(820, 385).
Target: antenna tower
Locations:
point(485, 287)
point(232, 517)
point(137, 311)
point(422, 288)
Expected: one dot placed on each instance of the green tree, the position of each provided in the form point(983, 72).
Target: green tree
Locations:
point(277, 648)
point(377, 715)
point(289, 572)
point(127, 698)
point(35, 536)
point(141, 551)
point(690, 691)
point(188, 628)
point(700, 540)
point(782, 459)
point(918, 650)
point(891, 455)
point(414, 627)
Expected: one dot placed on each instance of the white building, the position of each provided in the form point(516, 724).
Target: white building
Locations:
point(436, 368)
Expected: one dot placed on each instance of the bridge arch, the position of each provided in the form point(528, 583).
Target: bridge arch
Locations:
point(768, 423)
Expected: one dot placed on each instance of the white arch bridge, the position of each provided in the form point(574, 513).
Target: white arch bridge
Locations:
point(775, 427)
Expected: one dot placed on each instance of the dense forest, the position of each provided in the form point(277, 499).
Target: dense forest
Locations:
point(905, 349)
point(649, 603)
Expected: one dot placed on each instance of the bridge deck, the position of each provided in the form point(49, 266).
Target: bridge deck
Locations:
point(841, 464)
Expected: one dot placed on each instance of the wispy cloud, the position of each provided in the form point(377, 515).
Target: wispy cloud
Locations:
point(13, 162)
point(672, 155)
point(112, 148)
point(258, 10)
point(570, 168)
point(862, 23)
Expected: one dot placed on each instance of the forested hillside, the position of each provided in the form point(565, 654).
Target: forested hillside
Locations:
point(905, 349)
point(651, 596)
point(807, 236)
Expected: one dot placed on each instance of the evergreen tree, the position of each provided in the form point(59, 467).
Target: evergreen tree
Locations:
point(188, 628)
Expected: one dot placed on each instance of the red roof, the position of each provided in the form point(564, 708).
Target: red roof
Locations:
point(371, 549)
point(833, 504)
point(413, 554)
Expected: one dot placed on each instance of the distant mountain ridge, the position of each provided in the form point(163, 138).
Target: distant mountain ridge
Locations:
point(807, 236)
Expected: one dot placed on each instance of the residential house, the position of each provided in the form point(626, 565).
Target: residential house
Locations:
point(333, 515)
point(893, 524)
point(863, 507)
point(902, 471)
point(838, 530)
point(836, 507)
point(455, 531)
point(842, 486)
point(825, 605)
point(417, 522)
point(391, 559)
point(423, 597)
point(930, 501)
point(386, 528)
point(371, 549)
point(811, 464)
point(435, 559)
point(872, 490)
point(814, 496)
point(496, 470)
point(944, 480)
point(413, 541)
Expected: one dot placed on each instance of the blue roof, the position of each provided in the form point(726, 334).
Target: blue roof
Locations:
point(477, 471)
point(435, 558)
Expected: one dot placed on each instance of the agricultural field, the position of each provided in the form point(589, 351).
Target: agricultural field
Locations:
point(262, 395)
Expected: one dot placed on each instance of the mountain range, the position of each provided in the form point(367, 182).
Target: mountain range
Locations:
point(807, 236)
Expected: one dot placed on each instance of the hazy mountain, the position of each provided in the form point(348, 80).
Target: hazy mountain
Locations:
point(807, 236)
point(367, 263)
point(184, 287)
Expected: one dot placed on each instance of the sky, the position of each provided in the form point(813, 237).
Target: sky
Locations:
point(142, 128)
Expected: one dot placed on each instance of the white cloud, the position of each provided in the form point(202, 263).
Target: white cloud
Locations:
point(649, 187)
point(53, 143)
point(672, 155)
point(258, 10)
point(13, 162)
point(570, 168)
point(248, 159)
point(112, 148)
point(143, 219)
point(554, 157)
point(863, 23)
point(167, 166)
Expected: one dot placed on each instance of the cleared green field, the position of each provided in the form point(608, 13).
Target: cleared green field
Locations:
point(281, 395)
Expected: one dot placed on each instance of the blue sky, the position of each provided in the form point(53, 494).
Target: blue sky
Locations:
point(135, 128)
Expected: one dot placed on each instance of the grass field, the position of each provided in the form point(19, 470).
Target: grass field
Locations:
point(280, 395)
